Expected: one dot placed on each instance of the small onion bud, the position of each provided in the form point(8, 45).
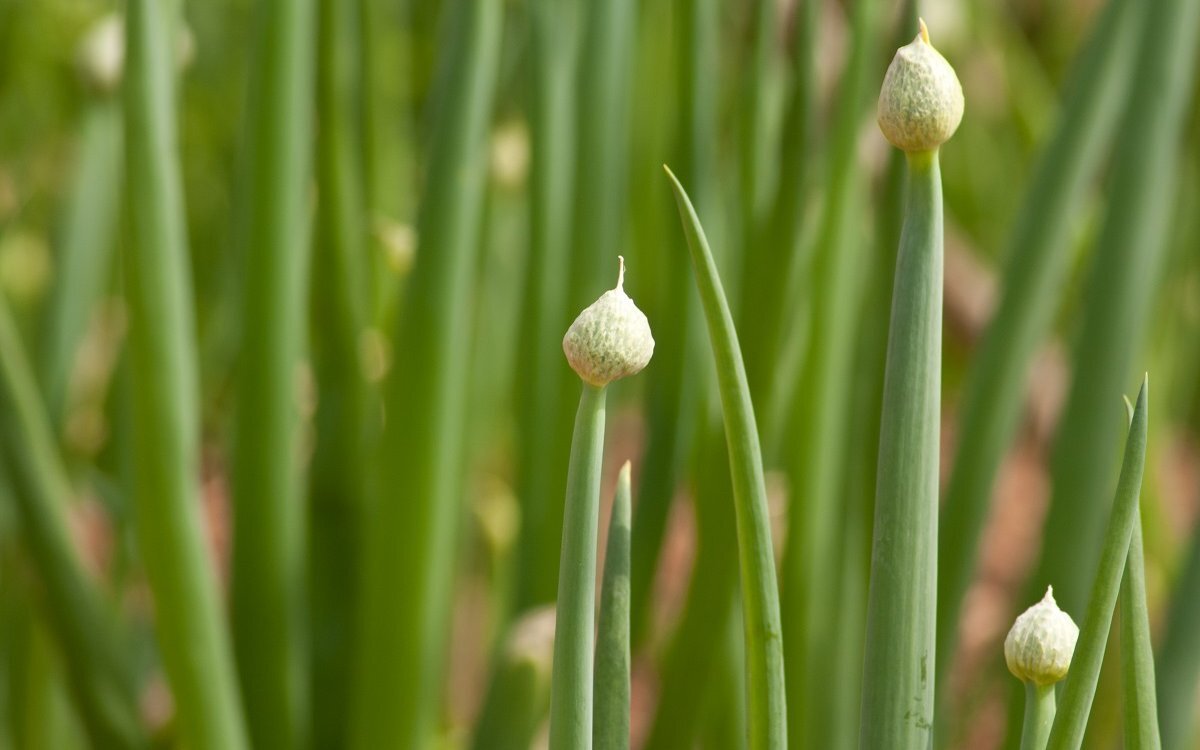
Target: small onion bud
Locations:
point(921, 102)
point(610, 339)
point(1038, 649)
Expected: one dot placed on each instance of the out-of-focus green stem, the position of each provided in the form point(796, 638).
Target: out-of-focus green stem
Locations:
point(1076, 703)
point(675, 393)
point(519, 695)
point(766, 701)
point(1038, 257)
point(415, 507)
point(267, 589)
point(542, 431)
point(1178, 672)
point(822, 414)
point(1039, 716)
point(610, 727)
point(191, 637)
point(1120, 291)
point(898, 680)
point(101, 681)
point(85, 242)
point(338, 292)
point(571, 687)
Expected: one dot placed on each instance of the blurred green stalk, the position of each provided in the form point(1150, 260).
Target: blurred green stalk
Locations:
point(822, 413)
point(610, 723)
point(1080, 688)
point(267, 570)
point(675, 391)
point(101, 681)
point(191, 636)
point(897, 701)
point(85, 248)
point(541, 430)
point(1179, 657)
point(338, 315)
point(416, 509)
point(1120, 290)
point(766, 701)
point(1038, 256)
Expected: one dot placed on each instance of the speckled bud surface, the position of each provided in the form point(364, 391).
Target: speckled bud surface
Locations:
point(921, 102)
point(609, 340)
point(1038, 649)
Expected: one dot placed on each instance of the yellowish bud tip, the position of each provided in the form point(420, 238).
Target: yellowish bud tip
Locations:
point(924, 31)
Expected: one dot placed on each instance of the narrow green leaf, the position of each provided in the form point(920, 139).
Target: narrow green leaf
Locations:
point(1038, 255)
point(610, 727)
point(194, 645)
point(766, 701)
point(416, 506)
point(898, 679)
point(1137, 653)
point(571, 687)
point(102, 684)
point(1081, 681)
point(86, 241)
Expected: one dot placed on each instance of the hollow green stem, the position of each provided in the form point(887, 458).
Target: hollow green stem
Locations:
point(610, 728)
point(1081, 683)
point(898, 681)
point(194, 645)
point(1039, 716)
point(571, 686)
point(766, 694)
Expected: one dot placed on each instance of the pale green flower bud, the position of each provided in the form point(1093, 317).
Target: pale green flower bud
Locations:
point(921, 102)
point(610, 339)
point(1038, 649)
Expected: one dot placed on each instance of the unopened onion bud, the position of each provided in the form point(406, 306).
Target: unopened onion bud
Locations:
point(610, 339)
point(1038, 649)
point(921, 102)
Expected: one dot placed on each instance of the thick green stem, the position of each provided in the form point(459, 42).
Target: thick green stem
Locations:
point(1039, 716)
point(898, 675)
point(611, 723)
point(268, 518)
point(766, 693)
point(571, 687)
point(194, 645)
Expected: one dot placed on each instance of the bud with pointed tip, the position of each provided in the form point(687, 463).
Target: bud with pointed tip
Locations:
point(921, 102)
point(610, 339)
point(1038, 649)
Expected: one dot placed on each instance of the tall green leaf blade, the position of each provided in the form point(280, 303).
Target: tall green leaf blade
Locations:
point(1179, 658)
point(610, 725)
point(766, 704)
point(1076, 703)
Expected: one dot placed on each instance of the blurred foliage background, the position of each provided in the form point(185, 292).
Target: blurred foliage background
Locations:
point(765, 110)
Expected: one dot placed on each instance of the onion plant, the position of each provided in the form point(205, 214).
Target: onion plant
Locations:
point(920, 107)
point(609, 340)
point(610, 725)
